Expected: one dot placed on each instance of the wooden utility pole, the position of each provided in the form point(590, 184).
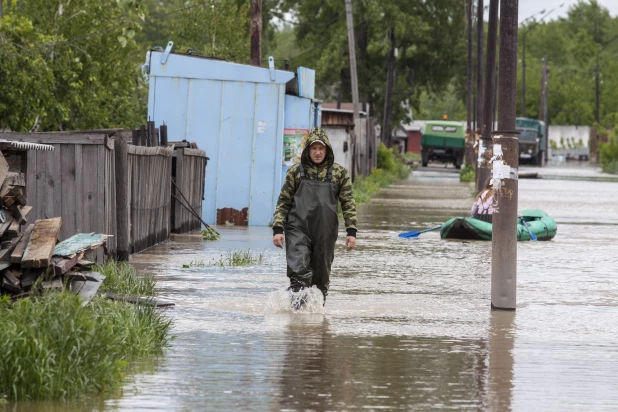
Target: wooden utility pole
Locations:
point(485, 144)
point(256, 32)
point(469, 140)
point(479, 73)
point(353, 77)
point(390, 74)
point(543, 108)
point(123, 236)
point(505, 168)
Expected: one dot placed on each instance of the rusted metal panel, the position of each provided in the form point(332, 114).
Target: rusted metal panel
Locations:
point(228, 215)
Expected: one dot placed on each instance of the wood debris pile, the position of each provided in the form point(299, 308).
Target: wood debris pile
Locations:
point(30, 255)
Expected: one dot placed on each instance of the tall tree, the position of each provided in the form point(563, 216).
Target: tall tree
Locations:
point(90, 48)
point(428, 36)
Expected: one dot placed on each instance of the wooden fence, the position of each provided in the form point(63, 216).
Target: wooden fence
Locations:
point(188, 173)
point(75, 181)
point(149, 189)
point(102, 184)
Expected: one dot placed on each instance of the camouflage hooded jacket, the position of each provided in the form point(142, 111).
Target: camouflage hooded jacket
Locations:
point(317, 172)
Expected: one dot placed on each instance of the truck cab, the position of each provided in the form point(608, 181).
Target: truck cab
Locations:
point(532, 139)
point(444, 141)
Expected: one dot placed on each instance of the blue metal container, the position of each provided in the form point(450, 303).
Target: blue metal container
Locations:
point(235, 113)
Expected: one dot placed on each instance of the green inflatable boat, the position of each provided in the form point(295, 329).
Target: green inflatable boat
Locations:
point(540, 223)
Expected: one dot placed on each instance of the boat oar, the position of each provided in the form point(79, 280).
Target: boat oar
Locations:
point(532, 235)
point(416, 233)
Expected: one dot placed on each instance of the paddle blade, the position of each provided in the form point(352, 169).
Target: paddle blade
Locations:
point(532, 236)
point(408, 235)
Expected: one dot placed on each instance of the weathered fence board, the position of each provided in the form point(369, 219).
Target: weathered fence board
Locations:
point(189, 175)
point(150, 171)
point(74, 181)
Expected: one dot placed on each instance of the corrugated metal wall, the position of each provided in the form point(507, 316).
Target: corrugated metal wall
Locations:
point(235, 113)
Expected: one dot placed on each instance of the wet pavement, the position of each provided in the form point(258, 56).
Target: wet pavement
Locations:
point(407, 324)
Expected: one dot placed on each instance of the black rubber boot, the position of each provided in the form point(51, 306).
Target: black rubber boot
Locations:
point(297, 300)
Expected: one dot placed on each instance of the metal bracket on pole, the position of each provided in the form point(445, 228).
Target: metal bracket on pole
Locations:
point(167, 51)
point(271, 67)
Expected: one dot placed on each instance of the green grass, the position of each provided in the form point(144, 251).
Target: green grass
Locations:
point(233, 258)
point(122, 278)
point(410, 157)
point(53, 347)
point(391, 169)
point(467, 174)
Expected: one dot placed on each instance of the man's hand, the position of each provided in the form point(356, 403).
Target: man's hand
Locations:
point(350, 242)
point(279, 240)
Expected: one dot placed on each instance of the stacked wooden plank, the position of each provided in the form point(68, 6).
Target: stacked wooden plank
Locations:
point(30, 256)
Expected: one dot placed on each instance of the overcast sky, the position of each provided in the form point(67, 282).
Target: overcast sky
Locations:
point(529, 7)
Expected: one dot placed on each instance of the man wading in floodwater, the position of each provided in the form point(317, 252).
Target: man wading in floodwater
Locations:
point(307, 212)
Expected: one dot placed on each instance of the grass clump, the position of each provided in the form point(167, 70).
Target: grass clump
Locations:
point(233, 258)
point(122, 278)
point(391, 169)
point(467, 174)
point(53, 347)
point(210, 234)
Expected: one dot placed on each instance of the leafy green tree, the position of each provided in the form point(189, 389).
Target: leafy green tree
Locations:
point(26, 79)
point(89, 46)
point(428, 38)
point(218, 28)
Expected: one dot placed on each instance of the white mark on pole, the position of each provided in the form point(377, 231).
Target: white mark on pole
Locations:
point(481, 153)
point(497, 152)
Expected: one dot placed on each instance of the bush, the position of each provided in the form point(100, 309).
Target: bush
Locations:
point(467, 174)
point(54, 347)
point(608, 154)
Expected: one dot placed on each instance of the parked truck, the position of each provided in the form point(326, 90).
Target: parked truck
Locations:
point(532, 140)
point(443, 141)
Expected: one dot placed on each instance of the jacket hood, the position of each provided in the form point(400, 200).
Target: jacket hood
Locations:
point(318, 134)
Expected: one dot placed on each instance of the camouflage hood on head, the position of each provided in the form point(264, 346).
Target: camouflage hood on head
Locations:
point(318, 134)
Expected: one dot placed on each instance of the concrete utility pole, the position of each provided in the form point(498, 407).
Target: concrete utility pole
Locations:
point(256, 32)
point(484, 170)
point(469, 140)
point(354, 78)
point(479, 73)
point(386, 129)
point(505, 168)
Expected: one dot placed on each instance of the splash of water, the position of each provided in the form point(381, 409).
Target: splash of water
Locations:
point(285, 301)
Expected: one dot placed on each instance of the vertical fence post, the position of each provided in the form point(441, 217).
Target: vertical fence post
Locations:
point(163, 129)
point(143, 136)
point(122, 197)
point(135, 137)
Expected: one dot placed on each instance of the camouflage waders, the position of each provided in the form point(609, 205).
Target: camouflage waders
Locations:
point(311, 233)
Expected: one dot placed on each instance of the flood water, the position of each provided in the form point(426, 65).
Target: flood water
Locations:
point(407, 324)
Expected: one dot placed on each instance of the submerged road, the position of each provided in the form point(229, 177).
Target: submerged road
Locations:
point(408, 324)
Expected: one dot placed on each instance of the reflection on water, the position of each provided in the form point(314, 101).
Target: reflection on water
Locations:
point(407, 324)
point(500, 370)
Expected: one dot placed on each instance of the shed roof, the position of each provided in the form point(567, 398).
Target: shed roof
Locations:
point(198, 67)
